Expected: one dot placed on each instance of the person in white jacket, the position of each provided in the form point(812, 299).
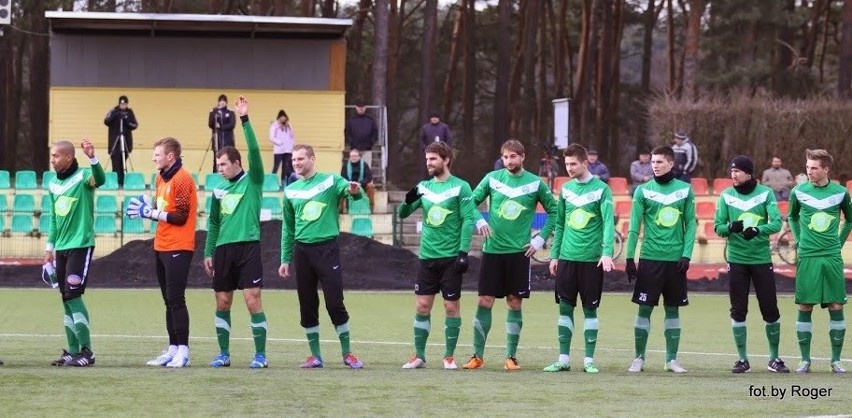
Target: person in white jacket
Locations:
point(282, 137)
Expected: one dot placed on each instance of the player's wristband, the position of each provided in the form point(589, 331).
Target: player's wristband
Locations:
point(48, 247)
point(537, 242)
point(159, 215)
point(94, 161)
point(480, 223)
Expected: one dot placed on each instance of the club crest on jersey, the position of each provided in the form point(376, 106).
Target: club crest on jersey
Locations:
point(230, 202)
point(510, 210)
point(749, 219)
point(579, 218)
point(437, 215)
point(63, 205)
point(820, 221)
point(668, 217)
point(312, 210)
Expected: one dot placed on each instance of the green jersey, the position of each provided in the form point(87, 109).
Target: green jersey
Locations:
point(757, 209)
point(72, 209)
point(235, 209)
point(449, 217)
point(668, 214)
point(585, 222)
point(815, 218)
point(512, 208)
point(310, 211)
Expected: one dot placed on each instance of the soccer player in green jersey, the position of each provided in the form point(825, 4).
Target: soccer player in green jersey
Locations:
point(309, 234)
point(232, 255)
point(513, 193)
point(747, 214)
point(814, 217)
point(71, 242)
point(581, 253)
point(666, 207)
point(449, 218)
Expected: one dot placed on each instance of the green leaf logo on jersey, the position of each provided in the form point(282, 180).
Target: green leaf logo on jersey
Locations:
point(437, 215)
point(579, 218)
point(230, 202)
point(668, 217)
point(749, 219)
point(312, 210)
point(820, 221)
point(510, 210)
point(63, 205)
point(161, 203)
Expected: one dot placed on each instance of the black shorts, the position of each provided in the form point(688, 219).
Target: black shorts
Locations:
point(72, 271)
point(439, 275)
point(656, 278)
point(237, 266)
point(501, 275)
point(579, 277)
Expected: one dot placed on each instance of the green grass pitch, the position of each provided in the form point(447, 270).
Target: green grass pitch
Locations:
point(127, 328)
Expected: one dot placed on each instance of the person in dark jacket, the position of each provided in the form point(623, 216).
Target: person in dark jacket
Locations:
point(222, 122)
point(121, 122)
point(361, 131)
point(357, 169)
point(435, 131)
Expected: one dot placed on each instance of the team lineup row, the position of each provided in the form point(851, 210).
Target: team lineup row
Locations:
point(580, 220)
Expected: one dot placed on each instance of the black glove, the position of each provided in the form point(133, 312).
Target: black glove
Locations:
point(750, 233)
point(736, 226)
point(683, 264)
point(461, 262)
point(630, 268)
point(413, 195)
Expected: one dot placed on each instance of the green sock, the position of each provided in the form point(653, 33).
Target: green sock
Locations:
point(452, 326)
point(258, 331)
point(740, 334)
point(422, 327)
point(804, 328)
point(836, 332)
point(81, 322)
point(514, 323)
point(566, 327)
point(70, 333)
point(590, 330)
point(641, 329)
point(312, 334)
point(773, 335)
point(223, 331)
point(481, 326)
point(672, 332)
point(343, 335)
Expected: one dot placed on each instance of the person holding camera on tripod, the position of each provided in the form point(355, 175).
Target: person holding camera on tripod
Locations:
point(121, 122)
point(222, 122)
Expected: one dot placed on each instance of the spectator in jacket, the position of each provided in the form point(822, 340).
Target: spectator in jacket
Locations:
point(435, 131)
point(121, 122)
point(640, 170)
point(222, 122)
point(778, 179)
point(686, 156)
point(282, 137)
point(597, 168)
point(356, 169)
point(361, 131)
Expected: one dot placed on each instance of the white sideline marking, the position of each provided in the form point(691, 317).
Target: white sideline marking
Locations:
point(298, 340)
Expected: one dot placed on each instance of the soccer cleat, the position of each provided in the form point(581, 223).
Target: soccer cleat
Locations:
point(837, 367)
point(162, 360)
point(742, 366)
point(475, 362)
point(352, 361)
point(221, 360)
point(259, 362)
point(312, 363)
point(511, 364)
point(85, 359)
point(63, 359)
point(674, 367)
point(637, 366)
point(450, 363)
point(177, 362)
point(778, 366)
point(590, 368)
point(804, 367)
point(415, 363)
point(559, 366)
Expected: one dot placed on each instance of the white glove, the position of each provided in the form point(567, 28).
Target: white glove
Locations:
point(537, 242)
point(139, 207)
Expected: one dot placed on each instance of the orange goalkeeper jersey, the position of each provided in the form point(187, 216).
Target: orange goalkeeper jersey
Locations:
point(178, 197)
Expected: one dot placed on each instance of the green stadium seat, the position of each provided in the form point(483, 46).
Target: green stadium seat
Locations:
point(195, 180)
point(3, 224)
point(44, 224)
point(23, 203)
point(134, 181)
point(271, 183)
point(362, 227)
point(361, 223)
point(106, 204)
point(111, 182)
point(359, 207)
point(274, 205)
point(105, 224)
point(152, 228)
point(4, 205)
point(124, 203)
point(45, 204)
point(22, 224)
point(26, 180)
point(212, 180)
point(46, 178)
point(153, 182)
point(132, 226)
point(4, 180)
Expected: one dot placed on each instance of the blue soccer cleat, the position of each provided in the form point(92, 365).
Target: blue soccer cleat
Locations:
point(259, 362)
point(222, 360)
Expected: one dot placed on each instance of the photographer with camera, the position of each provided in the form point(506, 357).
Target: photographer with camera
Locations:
point(221, 122)
point(121, 122)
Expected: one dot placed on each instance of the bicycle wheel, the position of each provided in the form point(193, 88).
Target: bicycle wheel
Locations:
point(786, 248)
point(543, 254)
point(617, 245)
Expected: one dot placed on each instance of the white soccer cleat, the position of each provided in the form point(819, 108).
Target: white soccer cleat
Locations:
point(178, 361)
point(450, 363)
point(162, 360)
point(675, 367)
point(637, 366)
point(414, 363)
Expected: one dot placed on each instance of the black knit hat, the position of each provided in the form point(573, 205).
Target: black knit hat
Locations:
point(123, 100)
point(223, 97)
point(744, 164)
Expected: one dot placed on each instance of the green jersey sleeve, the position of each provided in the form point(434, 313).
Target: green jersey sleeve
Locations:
point(469, 217)
point(720, 219)
point(482, 191)
point(212, 228)
point(846, 208)
point(691, 224)
point(545, 197)
point(793, 209)
point(288, 231)
point(255, 172)
point(608, 216)
point(773, 223)
point(636, 216)
point(559, 229)
point(98, 174)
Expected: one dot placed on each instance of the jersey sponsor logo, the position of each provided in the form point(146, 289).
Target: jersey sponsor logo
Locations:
point(749, 219)
point(510, 210)
point(747, 204)
point(437, 215)
point(666, 199)
point(668, 217)
point(162, 203)
point(57, 187)
point(820, 204)
point(582, 199)
point(312, 192)
point(229, 203)
point(579, 218)
point(820, 221)
point(513, 192)
point(312, 210)
point(63, 204)
point(437, 198)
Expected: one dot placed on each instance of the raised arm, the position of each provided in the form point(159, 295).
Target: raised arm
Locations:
point(256, 172)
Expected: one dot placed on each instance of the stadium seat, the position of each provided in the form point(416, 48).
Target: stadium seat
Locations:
point(45, 204)
point(848, 187)
point(212, 180)
point(23, 203)
point(134, 181)
point(784, 208)
point(4, 180)
point(46, 178)
point(22, 223)
point(699, 186)
point(274, 205)
point(195, 180)
point(132, 226)
point(25, 180)
point(152, 227)
point(709, 231)
point(44, 223)
point(619, 186)
point(124, 203)
point(705, 210)
point(623, 208)
point(271, 183)
point(111, 182)
point(558, 182)
point(359, 207)
point(721, 184)
point(106, 204)
point(362, 227)
point(105, 224)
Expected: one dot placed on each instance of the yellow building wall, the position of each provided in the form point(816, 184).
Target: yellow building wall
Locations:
point(317, 118)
